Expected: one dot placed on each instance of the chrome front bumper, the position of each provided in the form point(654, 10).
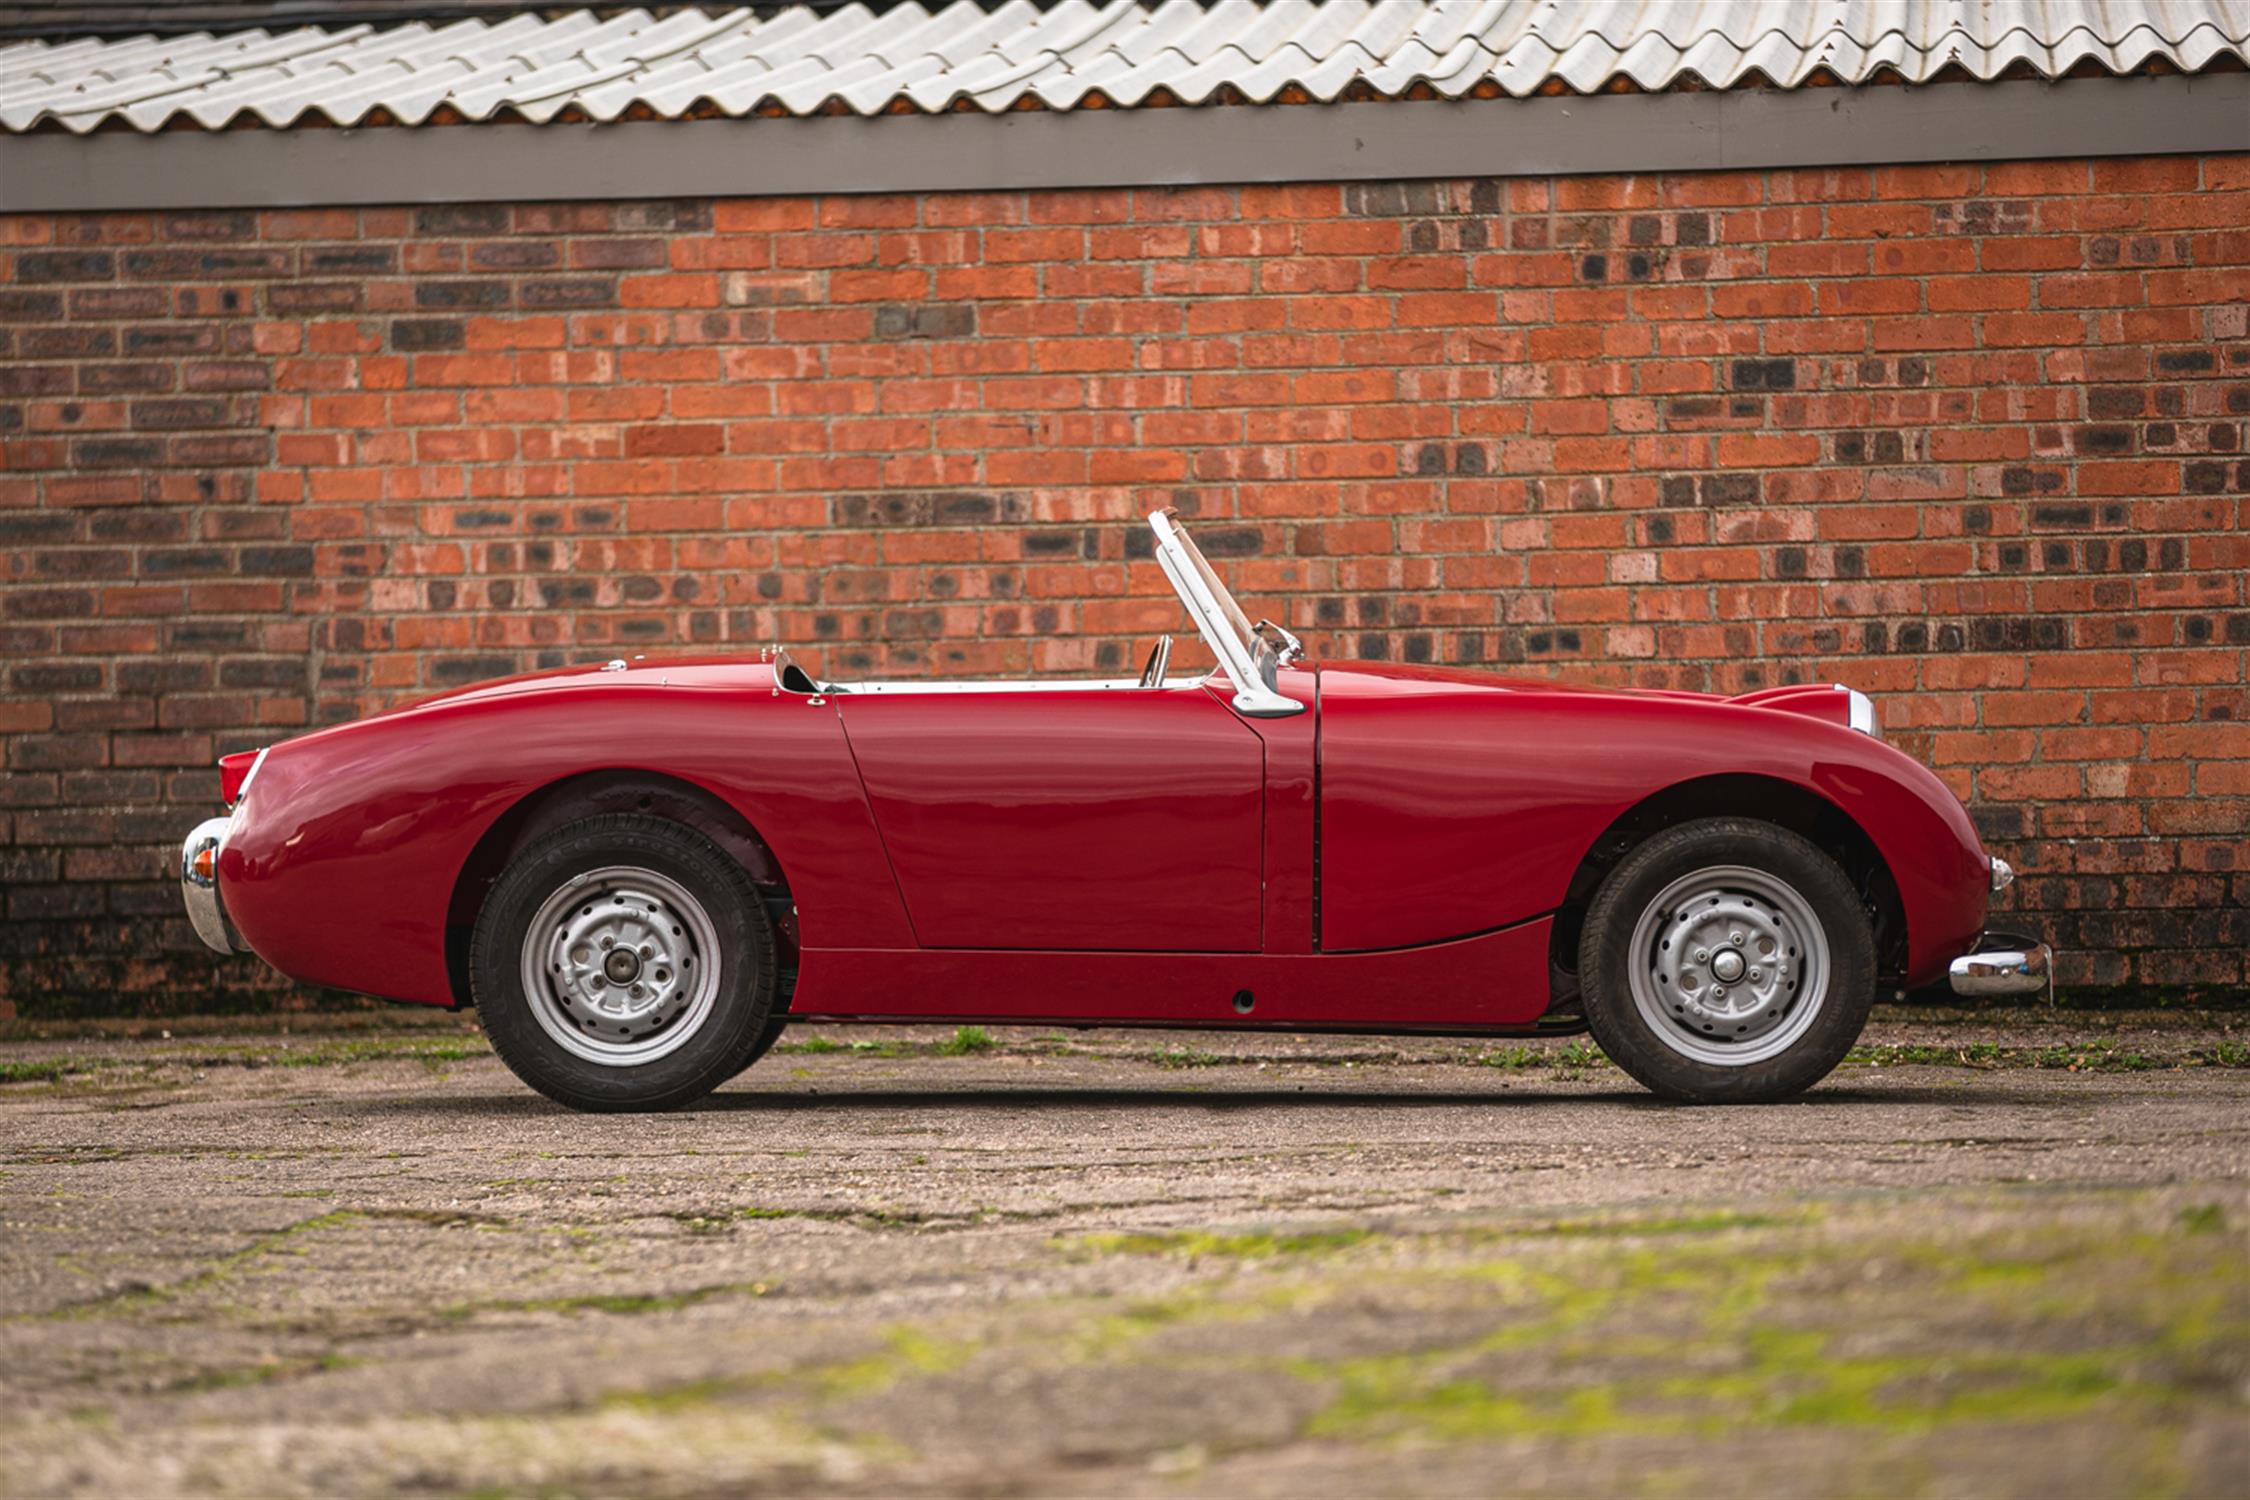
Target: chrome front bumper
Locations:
point(199, 886)
point(2027, 969)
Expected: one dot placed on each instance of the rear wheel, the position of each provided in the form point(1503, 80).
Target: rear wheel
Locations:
point(624, 962)
point(1727, 960)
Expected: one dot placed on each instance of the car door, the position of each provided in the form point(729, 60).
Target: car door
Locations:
point(1122, 819)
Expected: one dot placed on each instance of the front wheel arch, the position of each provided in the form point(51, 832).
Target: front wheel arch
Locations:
point(622, 790)
point(1765, 799)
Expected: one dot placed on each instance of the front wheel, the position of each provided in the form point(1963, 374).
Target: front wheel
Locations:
point(623, 962)
point(1727, 961)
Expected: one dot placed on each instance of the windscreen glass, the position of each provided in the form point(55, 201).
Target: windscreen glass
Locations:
point(1236, 619)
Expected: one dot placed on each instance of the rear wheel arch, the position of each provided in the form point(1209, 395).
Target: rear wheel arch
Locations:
point(590, 794)
point(1766, 799)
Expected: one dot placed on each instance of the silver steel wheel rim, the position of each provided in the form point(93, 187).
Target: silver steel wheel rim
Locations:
point(1730, 966)
point(621, 966)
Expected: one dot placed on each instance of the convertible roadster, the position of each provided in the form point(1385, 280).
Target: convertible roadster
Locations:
point(638, 872)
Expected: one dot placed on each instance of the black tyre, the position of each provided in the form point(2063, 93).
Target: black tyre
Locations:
point(624, 962)
point(1727, 961)
point(764, 1043)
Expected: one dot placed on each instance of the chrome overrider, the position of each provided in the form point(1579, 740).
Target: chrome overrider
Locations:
point(199, 875)
point(2004, 965)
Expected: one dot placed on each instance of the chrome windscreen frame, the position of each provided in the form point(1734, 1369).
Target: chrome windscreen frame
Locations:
point(1250, 659)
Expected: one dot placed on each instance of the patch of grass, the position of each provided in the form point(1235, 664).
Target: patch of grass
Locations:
point(2223, 1055)
point(44, 1071)
point(966, 1040)
point(810, 1046)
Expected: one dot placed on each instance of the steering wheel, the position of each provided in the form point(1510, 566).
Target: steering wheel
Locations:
point(1159, 657)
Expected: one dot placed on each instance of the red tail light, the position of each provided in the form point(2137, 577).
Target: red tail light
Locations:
point(234, 770)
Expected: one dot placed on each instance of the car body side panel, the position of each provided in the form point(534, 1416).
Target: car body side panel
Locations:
point(1495, 981)
point(1454, 803)
point(340, 864)
point(1130, 820)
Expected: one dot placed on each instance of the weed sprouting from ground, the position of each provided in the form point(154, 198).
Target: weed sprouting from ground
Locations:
point(965, 1040)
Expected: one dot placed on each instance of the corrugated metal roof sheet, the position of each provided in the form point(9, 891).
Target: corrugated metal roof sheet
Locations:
point(1075, 53)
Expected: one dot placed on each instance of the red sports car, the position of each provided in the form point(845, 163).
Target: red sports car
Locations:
point(638, 872)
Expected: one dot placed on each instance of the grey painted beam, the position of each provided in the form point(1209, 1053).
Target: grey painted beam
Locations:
point(1119, 148)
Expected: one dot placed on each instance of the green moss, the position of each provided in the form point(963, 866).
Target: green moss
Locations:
point(216, 1271)
point(1203, 1245)
point(620, 1304)
point(907, 1352)
point(1716, 1222)
point(2202, 1218)
point(1183, 1057)
point(2103, 1055)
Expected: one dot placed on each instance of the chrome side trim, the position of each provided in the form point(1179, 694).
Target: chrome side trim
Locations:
point(1255, 694)
point(206, 911)
point(903, 686)
point(2004, 971)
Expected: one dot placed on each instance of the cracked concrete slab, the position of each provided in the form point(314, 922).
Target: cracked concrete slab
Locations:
point(2000, 1253)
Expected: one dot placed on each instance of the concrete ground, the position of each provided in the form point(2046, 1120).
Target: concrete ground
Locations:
point(1997, 1254)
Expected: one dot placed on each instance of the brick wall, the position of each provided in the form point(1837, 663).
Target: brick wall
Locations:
point(1969, 438)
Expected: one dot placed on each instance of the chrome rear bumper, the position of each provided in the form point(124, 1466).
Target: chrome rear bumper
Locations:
point(2024, 969)
point(199, 886)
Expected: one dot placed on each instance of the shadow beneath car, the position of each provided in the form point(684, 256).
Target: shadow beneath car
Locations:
point(1627, 1096)
point(1217, 1101)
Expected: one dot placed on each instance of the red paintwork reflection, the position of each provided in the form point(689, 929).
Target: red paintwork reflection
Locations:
point(1118, 819)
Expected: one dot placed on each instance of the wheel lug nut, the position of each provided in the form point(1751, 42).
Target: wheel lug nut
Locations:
point(1734, 937)
point(1754, 974)
point(609, 942)
point(1702, 955)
